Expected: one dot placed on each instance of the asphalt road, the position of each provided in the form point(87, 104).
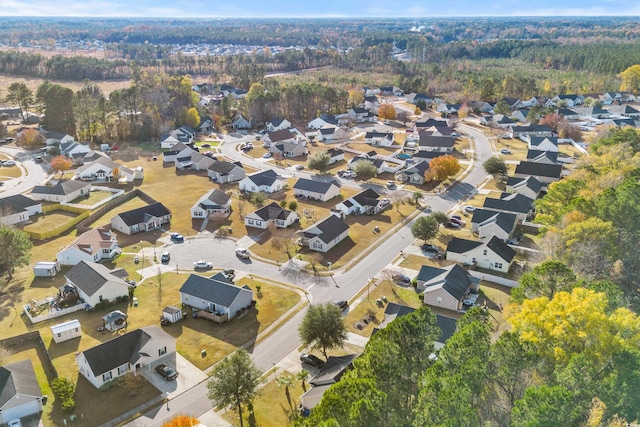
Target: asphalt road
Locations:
point(36, 173)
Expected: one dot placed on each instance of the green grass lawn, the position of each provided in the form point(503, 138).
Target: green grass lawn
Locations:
point(53, 219)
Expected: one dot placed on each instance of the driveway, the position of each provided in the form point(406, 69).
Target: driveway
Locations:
point(188, 377)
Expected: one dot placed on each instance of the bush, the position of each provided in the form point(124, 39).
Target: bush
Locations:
point(68, 405)
point(64, 389)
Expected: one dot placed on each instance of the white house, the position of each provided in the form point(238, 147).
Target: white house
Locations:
point(182, 135)
point(543, 172)
point(134, 352)
point(322, 121)
point(53, 137)
point(63, 191)
point(213, 202)
point(515, 203)
point(224, 172)
point(360, 115)
point(446, 287)
point(240, 122)
point(416, 173)
point(283, 135)
point(93, 245)
point(95, 283)
point(66, 331)
point(104, 169)
point(19, 390)
point(215, 295)
point(278, 124)
point(543, 143)
point(142, 219)
point(529, 186)
point(492, 255)
point(272, 213)
point(380, 164)
point(379, 139)
point(324, 234)
point(366, 202)
point(177, 151)
point(267, 181)
point(18, 208)
point(486, 223)
point(335, 155)
point(287, 149)
point(316, 190)
point(428, 142)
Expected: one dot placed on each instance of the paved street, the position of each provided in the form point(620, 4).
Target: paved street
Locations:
point(33, 173)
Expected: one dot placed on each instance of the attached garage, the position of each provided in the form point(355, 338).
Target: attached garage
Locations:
point(20, 394)
point(21, 410)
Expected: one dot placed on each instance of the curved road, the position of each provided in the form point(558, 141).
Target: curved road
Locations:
point(36, 173)
point(344, 284)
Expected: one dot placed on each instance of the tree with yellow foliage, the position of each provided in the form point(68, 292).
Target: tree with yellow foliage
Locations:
point(181, 421)
point(387, 112)
point(443, 167)
point(631, 79)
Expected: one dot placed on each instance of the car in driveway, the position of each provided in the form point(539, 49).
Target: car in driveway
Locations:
point(15, 423)
point(401, 279)
point(505, 151)
point(451, 224)
point(243, 253)
point(299, 167)
point(229, 273)
point(391, 185)
point(165, 257)
point(202, 265)
point(311, 360)
point(266, 155)
point(177, 237)
point(341, 304)
point(469, 209)
point(167, 372)
point(8, 163)
point(457, 221)
point(428, 247)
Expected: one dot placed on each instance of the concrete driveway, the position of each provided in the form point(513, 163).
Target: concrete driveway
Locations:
point(188, 377)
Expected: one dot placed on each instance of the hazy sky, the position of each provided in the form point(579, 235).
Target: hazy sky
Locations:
point(315, 8)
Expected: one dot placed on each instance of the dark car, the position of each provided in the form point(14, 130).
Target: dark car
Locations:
point(428, 247)
point(167, 372)
point(401, 279)
point(342, 304)
point(311, 360)
point(451, 225)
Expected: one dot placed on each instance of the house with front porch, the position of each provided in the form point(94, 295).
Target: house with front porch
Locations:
point(324, 234)
point(492, 255)
point(316, 190)
point(278, 124)
point(415, 174)
point(93, 245)
point(213, 203)
point(104, 169)
point(283, 135)
point(366, 202)
point(216, 296)
point(379, 139)
point(267, 181)
point(272, 214)
point(134, 352)
point(287, 150)
point(142, 219)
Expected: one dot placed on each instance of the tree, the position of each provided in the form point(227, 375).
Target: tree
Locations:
point(61, 164)
point(30, 139)
point(403, 116)
point(57, 103)
point(19, 94)
point(131, 383)
point(192, 118)
point(319, 161)
point(64, 389)
point(443, 167)
point(552, 120)
point(387, 112)
point(303, 376)
point(323, 328)
point(545, 406)
point(356, 97)
point(365, 169)
point(502, 108)
point(464, 111)
point(234, 382)
point(15, 246)
point(90, 111)
point(293, 205)
point(495, 166)
point(181, 421)
point(545, 280)
point(417, 196)
point(440, 216)
point(425, 228)
point(631, 79)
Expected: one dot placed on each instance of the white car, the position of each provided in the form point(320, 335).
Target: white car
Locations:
point(243, 253)
point(202, 265)
point(15, 423)
point(266, 155)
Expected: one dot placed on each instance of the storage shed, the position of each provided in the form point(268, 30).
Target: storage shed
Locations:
point(66, 331)
point(172, 314)
point(46, 268)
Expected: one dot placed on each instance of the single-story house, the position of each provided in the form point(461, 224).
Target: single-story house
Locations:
point(379, 139)
point(18, 208)
point(283, 135)
point(448, 108)
point(240, 122)
point(316, 190)
point(95, 283)
point(380, 164)
point(502, 121)
point(365, 202)
point(324, 234)
point(224, 172)
point(213, 202)
point(493, 255)
point(63, 191)
point(278, 124)
point(194, 161)
point(335, 155)
point(93, 245)
point(446, 287)
point(371, 102)
point(326, 133)
point(513, 103)
point(141, 219)
point(543, 172)
point(267, 181)
point(568, 114)
point(429, 123)
point(416, 173)
point(609, 98)
point(543, 143)
point(206, 125)
point(486, 223)
point(20, 393)
point(427, 155)
point(515, 203)
point(179, 150)
point(330, 373)
point(287, 149)
point(52, 137)
point(182, 135)
point(520, 115)
point(528, 186)
point(569, 100)
point(537, 156)
point(593, 112)
point(273, 213)
point(322, 121)
point(104, 169)
point(215, 295)
point(134, 352)
point(428, 142)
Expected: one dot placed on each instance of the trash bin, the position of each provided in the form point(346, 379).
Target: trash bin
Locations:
point(203, 353)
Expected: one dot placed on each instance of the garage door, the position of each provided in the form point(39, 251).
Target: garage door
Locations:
point(20, 411)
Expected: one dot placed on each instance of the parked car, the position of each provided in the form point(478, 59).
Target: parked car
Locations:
point(469, 209)
point(165, 257)
point(243, 253)
point(311, 360)
point(505, 136)
point(428, 247)
point(401, 279)
point(202, 265)
point(391, 185)
point(15, 423)
point(205, 145)
point(177, 237)
point(229, 273)
point(266, 155)
point(505, 151)
point(458, 217)
point(8, 163)
point(299, 167)
point(167, 372)
point(451, 224)
point(341, 304)
point(513, 242)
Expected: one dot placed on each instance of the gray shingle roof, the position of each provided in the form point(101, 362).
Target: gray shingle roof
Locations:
point(137, 216)
point(280, 135)
point(90, 277)
point(539, 169)
point(514, 202)
point(454, 279)
point(501, 249)
point(426, 140)
point(432, 122)
point(460, 246)
point(223, 167)
point(212, 289)
point(530, 182)
point(272, 211)
point(367, 197)
point(537, 156)
point(314, 186)
point(266, 177)
point(18, 378)
point(17, 203)
point(329, 228)
point(504, 220)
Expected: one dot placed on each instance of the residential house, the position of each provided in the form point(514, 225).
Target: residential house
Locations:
point(528, 103)
point(415, 98)
point(272, 214)
point(316, 190)
point(379, 139)
point(182, 135)
point(624, 110)
point(278, 124)
point(20, 393)
point(134, 352)
point(520, 115)
point(93, 245)
point(391, 91)
point(446, 287)
point(427, 155)
point(331, 372)
point(429, 123)
point(360, 115)
point(194, 161)
point(593, 112)
point(142, 219)
point(94, 282)
point(324, 234)
point(240, 122)
point(266, 181)
point(543, 143)
point(283, 135)
point(92, 156)
point(62, 192)
point(538, 156)
point(448, 109)
point(12, 113)
point(326, 133)
point(105, 169)
point(371, 102)
point(529, 186)
point(287, 150)
point(621, 123)
point(481, 107)
point(610, 98)
point(224, 172)
point(179, 150)
point(335, 155)
point(568, 114)
point(493, 255)
point(213, 203)
point(75, 151)
point(571, 100)
point(443, 144)
point(486, 223)
point(322, 121)
point(206, 125)
point(380, 164)
point(416, 173)
point(514, 203)
point(367, 202)
point(438, 131)
point(215, 295)
point(18, 208)
point(55, 138)
point(543, 172)
point(513, 103)
point(502, 121)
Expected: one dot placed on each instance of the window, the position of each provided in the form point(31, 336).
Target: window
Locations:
point(59, 334)
point(107, 376)
point(498, 265)
point(484, 252)
point(162, 351)
point(122, 369)
point(439, 300)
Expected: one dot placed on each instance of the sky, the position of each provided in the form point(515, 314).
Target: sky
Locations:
point(315, 8)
